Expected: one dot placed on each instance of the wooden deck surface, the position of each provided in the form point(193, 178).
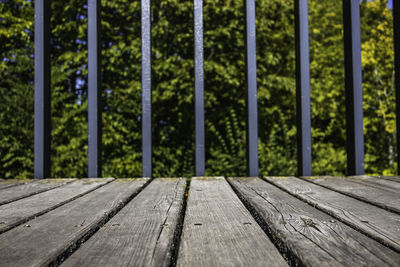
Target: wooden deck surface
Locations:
point(202, 221)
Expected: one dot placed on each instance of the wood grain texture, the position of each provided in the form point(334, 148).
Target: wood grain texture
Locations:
point(6, 183)
point(376, 182)
point(219, 231)
point(141, 234)
point(18, 212)
point(378, 196)
point(377, 223)
point(30, 188)
point(57, 232)
point(390, 178)
point(315, 238)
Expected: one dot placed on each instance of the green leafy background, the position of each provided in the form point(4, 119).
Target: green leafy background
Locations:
point(173, 86)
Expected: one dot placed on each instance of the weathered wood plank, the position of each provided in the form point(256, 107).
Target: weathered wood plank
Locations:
point(311, 236)
point(27, 189)
point(219, 231)
point(6, 183)
point(390, 178)
point(377, 223)
point(377, 196)
point(141, 234)
point(376, 182)
point(18, 212)
point(51, 237)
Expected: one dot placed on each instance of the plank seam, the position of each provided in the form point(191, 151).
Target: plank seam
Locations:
point(52, 208)
point(75, 245)
point(370, 184)
point(332, 214)
point(179, 227)
point(352, 195)
point(290, 257)
point(13, 185)
point(33, 193)
point(387, 178)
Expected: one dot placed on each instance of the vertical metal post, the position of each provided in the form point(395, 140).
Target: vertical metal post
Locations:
point(146, 88)
point(251, 75)
point(199, 86)
point(42, 90)
point(353, 79)
point(94, 105)
point(396, 38)
point(304, 165)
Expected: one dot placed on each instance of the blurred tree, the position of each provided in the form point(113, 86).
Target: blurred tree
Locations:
point(379, 92)
point(173, 86)
point(16, 87)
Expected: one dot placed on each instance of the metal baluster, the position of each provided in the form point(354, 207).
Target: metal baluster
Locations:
point(94, 105)
point(199, 87)
point(146, 89)
point(252, 121)
point(304, 163)
point(353, 78)
point(42, 90)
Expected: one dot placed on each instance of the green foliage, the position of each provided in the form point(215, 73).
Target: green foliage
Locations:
point(379, 92)
point(16, 98)
point(173, 85)
point(327, 87)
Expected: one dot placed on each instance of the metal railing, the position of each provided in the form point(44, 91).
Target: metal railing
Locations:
point(353, 84)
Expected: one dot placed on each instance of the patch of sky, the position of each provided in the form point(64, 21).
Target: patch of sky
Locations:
point(80, 17)
point(80, 41)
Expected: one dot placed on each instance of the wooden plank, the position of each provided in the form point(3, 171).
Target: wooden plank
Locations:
point(376, 182)
point(142, 233)
point(6, 183)
point(18, 212)
point(219, 231)
point(53, 236)
point(310, 236)
point(390, 178)
point(30, 188)
point(379, 224)
point(377, 196)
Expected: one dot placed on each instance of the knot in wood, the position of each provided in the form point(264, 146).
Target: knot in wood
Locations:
point(308, 222)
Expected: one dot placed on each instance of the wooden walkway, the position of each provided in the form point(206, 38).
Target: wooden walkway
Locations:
point(212, 221)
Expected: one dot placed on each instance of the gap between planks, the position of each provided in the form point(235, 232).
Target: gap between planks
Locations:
point(311, 236)
point(379, 183)
point(364, 191)
point(375, 222)
point(143, 233)
point(50, 238)
point(6, 183)
point(18, 212)
point(391, 178)
point(85, 228)
point(30, 188)
point(219, 231)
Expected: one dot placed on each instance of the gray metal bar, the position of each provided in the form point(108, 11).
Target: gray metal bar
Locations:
point(42, 90)
point(252, 120)
point(146, 88)
point(304, 165)
point(94, 98)
point(353, 79)
point(396, 38)
point(199, 86)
